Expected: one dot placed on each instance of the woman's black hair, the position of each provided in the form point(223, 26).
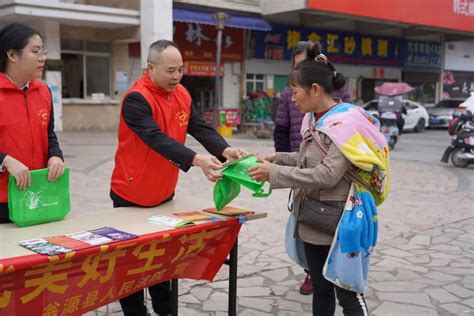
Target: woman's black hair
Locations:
point(317, 69)
point(14, 36)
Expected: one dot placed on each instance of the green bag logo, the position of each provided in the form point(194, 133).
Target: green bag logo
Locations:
point(33, 200)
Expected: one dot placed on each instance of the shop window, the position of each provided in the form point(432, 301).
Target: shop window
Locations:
point(254, 83)
point(86, 68)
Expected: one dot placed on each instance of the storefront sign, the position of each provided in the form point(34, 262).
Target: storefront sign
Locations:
point(442, 14)
point(198, 42)
point(77, 282)
point(201, 69)
point(351, 48)
point(422, 54)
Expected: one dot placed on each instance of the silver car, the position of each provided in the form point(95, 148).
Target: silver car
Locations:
point(442, 113)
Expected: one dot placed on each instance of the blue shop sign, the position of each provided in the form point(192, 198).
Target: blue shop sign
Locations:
point(422, 54)
point(340, 47)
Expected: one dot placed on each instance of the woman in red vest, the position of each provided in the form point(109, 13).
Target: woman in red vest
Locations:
point(27, 138)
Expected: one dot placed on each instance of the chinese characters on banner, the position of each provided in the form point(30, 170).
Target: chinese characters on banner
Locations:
point(338, 46)
point(350, 48)
point(78, 282)
point(463, 7)
point(198, 42)
point(422, 54)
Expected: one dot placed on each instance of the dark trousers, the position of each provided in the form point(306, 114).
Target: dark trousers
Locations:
point(4, 215)
point(325, 292)
point(133, 305)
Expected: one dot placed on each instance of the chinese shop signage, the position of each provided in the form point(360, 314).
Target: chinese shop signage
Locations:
point(198, 42)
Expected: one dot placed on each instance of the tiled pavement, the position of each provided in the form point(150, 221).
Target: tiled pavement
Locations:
point(423, 263)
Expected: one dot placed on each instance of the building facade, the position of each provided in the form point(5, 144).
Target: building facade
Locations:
point(97, 48)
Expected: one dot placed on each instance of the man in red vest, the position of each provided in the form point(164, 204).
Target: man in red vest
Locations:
point(155, 117)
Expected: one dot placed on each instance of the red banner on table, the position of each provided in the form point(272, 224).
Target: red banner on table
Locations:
point(78, 282)
point(198, 42)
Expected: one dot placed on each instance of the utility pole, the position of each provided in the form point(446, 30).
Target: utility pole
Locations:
point(220, 18)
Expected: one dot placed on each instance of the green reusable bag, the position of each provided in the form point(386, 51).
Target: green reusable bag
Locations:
point(41, 202)
point(235, 174)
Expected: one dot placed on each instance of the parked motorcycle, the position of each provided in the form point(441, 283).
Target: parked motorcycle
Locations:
point(389, 128)
point(461, 149)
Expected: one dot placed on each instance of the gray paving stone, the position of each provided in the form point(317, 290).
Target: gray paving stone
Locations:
point(438, 263)
point(289, 305)
point(202, 292)
point(419, 259)
point(290, 282)
point(257, 303)
point(439, 276)
point(461, 265)
point(381, 276)
point(457, 271)
point(394, 309)
point(288, 313)
point(297, 270)
point(279, 290)
point(448, 248)
point(396, 253)
point(420, 299)
point(390, 264)
point(185, 311)
point(441, 295)
point(251, 312)
point(459, 291)
point(457, 309)
point(408, 247)
point(253, 291)
point(252, 281)
point(433, 232)
point(188, 298)
point(278, 265)
point(246, 270)
point(406, 275)
point(469, 302)
point(296, 296)
point(420, 240)
point(431, 282)
point(397, 286)
point(217, 302)
point(221, 284)
point(416, 268)
point(441, 240)
point(276, 275)
point(468, 282)
point(380, 269)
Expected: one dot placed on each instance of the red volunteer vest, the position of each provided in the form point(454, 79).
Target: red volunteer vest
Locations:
point(141, 175)
point(24, 120)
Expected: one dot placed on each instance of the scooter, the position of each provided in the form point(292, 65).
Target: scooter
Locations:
point(461, 149)
point(389, 128)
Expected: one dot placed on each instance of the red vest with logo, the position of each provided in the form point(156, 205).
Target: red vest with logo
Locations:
point(141, 175)
point(24, 119)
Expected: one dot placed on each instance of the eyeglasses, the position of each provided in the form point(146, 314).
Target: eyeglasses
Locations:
point(42, 54)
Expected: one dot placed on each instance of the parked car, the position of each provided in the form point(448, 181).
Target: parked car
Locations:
point(468, 105)
point(416, 117)
point(442, 113)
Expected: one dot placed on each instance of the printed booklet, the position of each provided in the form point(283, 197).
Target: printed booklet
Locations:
point(56, 245)
point(183, 219)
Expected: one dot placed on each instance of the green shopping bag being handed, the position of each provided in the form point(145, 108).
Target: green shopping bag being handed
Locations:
point(42, 201)
point(236, 174)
